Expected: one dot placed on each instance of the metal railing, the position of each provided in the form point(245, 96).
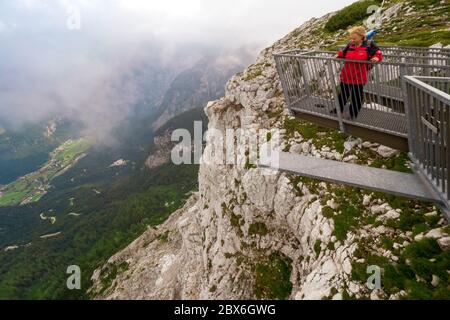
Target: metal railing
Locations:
point(351, 92)
point(428, 105)
point(413, 51)
point(416, 55)
point(392, 56)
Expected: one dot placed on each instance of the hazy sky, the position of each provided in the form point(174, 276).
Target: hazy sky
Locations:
point(70, 55)
point(232, 21)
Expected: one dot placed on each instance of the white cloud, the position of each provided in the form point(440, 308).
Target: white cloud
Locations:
point(51, 68)
point(233, 21)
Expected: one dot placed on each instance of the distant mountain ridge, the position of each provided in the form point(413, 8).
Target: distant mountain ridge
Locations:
point(203, 82)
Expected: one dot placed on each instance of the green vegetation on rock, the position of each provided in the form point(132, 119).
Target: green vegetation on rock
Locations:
point(110, 272)
point(350, 15)
point(320, 136)
point(258, 228)
point(272, 278)
point(413, 272)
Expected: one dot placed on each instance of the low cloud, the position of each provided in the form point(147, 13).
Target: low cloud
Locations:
point(88, 73)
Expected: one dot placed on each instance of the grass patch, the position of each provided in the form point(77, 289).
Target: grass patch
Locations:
point(350, 212)
point(349, 15)
point(328, 212)
point(317, 247)
point(236, 220)
point(294, 181)
point(334, 139)
point(331, 138)
point(397, 163)
point(213, 289)
point(110, 272)
point(306, 129)
point(272, 278)
point(275, 114)
point(312, 184)
point(425, 259)
point(164, 237)
point(413, 220)
point(346, 221)
point(387, 242)
point(424, 3)
point(423, 38)
point(258, 229)
point(253, 74)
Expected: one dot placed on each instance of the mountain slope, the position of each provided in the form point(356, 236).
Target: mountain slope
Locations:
point(160, 152)
point(94, 209)
point(201, 83)
point(249, 233)
point(24, 149)
point(97, 205)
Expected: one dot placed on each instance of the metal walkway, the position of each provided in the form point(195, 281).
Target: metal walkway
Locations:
point(311, 84)
point(393, 123)
point(393, 182)
point(384, 91)
point(401, 100)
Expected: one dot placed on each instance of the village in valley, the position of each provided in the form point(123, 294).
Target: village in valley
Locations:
point(33, 186)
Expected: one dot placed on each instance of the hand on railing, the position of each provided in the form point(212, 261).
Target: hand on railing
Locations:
point(375, 60)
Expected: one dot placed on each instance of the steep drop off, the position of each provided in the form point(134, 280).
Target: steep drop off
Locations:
point(251, 234)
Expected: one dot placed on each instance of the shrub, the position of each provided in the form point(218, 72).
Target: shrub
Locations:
point(258, 229)
point(349, 15)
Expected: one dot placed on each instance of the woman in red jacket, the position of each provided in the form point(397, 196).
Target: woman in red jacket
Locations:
point(354, 75)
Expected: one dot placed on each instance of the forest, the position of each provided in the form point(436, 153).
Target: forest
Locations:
point(99, 210)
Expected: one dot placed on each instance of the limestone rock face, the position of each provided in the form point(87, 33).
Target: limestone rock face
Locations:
point(161, 154)
point(150, 266)
point(386, 152)
point(245, 219)
point(444, 243)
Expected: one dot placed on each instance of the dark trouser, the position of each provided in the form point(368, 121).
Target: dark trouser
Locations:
point(355, 92)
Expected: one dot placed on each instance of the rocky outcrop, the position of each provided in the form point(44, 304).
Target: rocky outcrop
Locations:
point(150, 267)
point(161, 153)
point(254, 233)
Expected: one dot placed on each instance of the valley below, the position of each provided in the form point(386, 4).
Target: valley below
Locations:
point(31, 187)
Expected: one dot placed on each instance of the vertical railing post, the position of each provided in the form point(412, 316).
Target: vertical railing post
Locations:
point(408, 112)
point(336, 96)
point(282, 76)
point(448, 153)
point(304, 75)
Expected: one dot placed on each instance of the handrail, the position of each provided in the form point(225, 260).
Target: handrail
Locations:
point(429, 138)
point(304, 52)
point(438, 94)
point(406, 48)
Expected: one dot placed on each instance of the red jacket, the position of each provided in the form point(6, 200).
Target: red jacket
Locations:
point(353, 72)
